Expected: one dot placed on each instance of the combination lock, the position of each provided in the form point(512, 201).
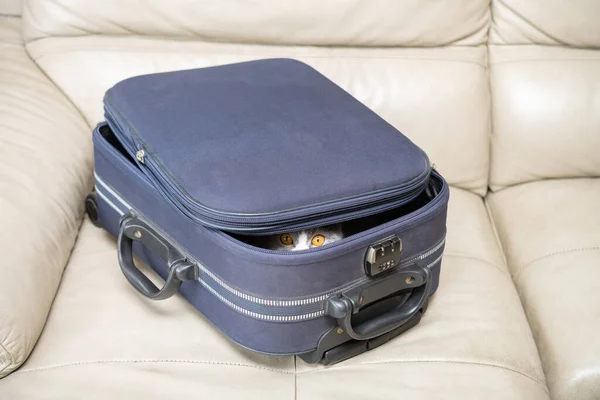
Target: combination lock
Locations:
point(383, 255)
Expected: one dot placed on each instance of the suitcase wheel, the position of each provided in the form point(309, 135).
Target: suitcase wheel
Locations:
point(91, 208)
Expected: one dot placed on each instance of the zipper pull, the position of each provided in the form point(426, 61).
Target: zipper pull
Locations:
point(140, 155)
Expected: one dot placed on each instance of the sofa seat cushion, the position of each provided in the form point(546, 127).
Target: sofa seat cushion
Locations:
point(550, 231)
point(473, 342)
point(45, 172)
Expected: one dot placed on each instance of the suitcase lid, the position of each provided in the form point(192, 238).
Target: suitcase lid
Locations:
point(263, 146)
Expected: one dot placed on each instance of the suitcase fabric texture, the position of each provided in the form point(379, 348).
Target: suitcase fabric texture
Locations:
point(191, 167)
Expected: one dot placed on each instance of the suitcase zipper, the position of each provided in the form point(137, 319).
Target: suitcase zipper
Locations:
point(291, 316)
point(406, 219)
point(268, 309)
point(358, 236)
point(262, 223)
point(256, 222)
point(315, 299)
point(275, 223)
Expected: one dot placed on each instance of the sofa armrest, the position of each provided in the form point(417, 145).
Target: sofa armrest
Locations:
point(45, 172)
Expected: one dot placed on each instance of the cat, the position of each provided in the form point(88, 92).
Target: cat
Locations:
point(304, 239)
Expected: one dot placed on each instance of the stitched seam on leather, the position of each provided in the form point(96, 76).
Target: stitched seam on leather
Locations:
point(473, 363)
point(10, 358)
point(254, 55)
point(450, 254)
point(554, 253)
point(158, 361)
point(525, 60)
point(295, 377)
point(92, 253)
point(488, 87)
point(151, 361)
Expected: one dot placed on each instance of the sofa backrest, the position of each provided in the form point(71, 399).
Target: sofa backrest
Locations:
point(545, 85)
point(10, 7)
point(292, 22)
point(421, 65)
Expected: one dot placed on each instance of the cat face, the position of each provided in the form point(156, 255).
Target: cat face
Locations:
point(306, 239)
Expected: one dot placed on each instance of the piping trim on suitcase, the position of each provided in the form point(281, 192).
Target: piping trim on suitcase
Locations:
point(113, 193)
point(301, 313)
point(110, 203)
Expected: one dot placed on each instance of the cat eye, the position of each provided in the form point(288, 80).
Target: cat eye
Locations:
point(318, 240)
point(286, 239)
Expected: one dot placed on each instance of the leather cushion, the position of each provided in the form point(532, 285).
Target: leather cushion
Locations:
point(546, 114)
point(550, 231)
point(45, 171)
point(549, 22)
point(306, 22)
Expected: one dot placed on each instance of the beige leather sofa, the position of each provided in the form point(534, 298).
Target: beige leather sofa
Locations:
point(505, 98)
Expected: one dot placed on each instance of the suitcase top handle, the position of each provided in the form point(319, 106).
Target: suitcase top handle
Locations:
point(347, 304)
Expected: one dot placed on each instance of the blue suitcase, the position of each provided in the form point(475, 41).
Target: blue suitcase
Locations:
point(193, 168)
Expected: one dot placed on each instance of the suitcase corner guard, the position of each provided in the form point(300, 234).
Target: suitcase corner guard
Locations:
point(179, 269)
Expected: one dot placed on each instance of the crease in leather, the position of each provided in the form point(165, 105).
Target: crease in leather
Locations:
point(505, 186)
point(540, 382)
point(527, 22)
point(490, 167)
point(486, 36)
point(70, 101)
point(82, 18)
point(151, 361)
point(257, 55)
point(93, 253)
point(490, 23)
point(6, 355)
point(552, 254)
point(454, 254)
point(271, 50)
point(495, 229)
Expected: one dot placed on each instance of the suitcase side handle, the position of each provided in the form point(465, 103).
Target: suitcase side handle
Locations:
point(179, 269)
point(344, 306)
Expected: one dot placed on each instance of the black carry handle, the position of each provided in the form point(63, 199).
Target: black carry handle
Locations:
point(343, 307)
point(179, 269)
